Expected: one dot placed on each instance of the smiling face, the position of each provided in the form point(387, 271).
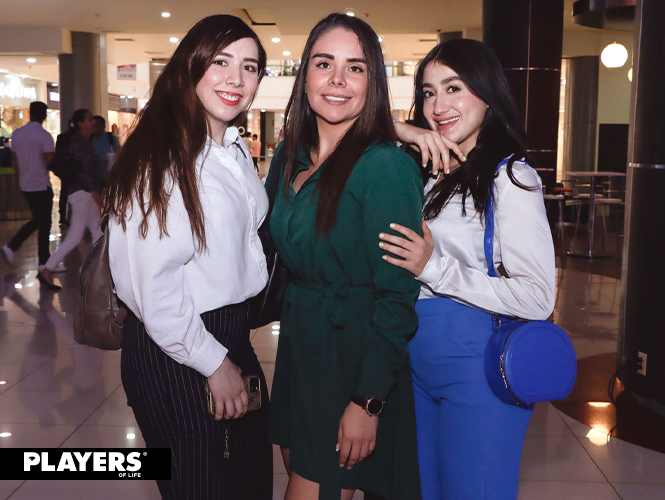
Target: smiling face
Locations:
point(229, 84)
point(336, 82)
point(450, 107)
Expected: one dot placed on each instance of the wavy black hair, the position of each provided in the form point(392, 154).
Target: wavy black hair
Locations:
point(501, 133)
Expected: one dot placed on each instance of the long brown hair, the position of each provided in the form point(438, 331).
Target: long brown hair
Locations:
point(170, 132)
point(373, 124)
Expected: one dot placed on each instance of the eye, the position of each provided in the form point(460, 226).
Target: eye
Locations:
point(250, 68)
point(220, 62)
point(452, 89)
point(357, 69)
point(427, 94)
point(323, 65)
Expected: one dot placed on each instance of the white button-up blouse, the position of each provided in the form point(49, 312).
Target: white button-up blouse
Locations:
point(522, 242)
point(167, 283)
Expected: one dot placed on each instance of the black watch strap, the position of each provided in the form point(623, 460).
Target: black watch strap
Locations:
point(372, 406)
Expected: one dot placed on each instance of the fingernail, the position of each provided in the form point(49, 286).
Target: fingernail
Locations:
point(464, 158)
point(337, 447)
point(424, 165)
point(393, 225)
point(448, 171)
point(381, 235)
point(381, 244)
point(384, 257)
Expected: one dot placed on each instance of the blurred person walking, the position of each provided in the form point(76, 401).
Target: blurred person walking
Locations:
point(83, 193)
point(32, 150)
point(105, 145)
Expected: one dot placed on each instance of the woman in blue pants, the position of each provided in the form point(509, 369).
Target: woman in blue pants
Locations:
point(470, 442)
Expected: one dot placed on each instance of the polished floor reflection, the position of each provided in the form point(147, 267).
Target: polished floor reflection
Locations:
point(56, 393)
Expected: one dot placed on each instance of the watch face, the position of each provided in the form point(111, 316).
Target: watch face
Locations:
point(374, 406)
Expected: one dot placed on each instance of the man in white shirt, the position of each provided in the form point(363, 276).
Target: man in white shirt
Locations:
point(32, 149)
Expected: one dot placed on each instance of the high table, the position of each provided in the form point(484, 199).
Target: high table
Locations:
point(592, 207)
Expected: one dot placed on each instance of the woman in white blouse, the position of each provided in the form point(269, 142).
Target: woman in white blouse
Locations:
point(470, 442)
point(184, 205)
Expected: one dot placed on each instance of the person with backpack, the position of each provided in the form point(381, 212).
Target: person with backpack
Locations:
point(105, 145)
point(32, 150)
point(81, 166)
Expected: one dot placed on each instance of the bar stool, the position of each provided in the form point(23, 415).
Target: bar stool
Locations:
point(560, 200)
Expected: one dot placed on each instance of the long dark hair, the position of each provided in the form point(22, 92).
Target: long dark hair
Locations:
point(373, 124)
point(501, 131)
point(170, 132)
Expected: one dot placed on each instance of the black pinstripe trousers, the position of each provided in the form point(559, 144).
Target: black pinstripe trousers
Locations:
point(169, 403)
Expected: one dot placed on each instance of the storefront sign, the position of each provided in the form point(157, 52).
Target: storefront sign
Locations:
point(14, 88)
point(127, 72)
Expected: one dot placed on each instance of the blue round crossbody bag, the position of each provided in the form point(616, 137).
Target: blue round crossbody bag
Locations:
point(526, 361)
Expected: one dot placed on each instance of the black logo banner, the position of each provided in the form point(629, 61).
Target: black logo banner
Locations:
point(82, 463)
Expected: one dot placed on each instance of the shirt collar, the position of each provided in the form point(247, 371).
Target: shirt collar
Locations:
point(231, 142)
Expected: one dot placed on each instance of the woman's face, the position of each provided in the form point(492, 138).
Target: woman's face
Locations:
point(450, 107)
point(229, 84)
point(86, 126)
point(336, 80)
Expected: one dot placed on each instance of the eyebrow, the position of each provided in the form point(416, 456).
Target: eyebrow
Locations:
point(250, 59)
point(330, 56)
point(444, 81)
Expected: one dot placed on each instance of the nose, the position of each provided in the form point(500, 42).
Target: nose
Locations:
point(337, 78)
point(441, 104)
point(234, 76)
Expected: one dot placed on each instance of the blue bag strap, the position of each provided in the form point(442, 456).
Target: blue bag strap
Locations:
point(488, 240)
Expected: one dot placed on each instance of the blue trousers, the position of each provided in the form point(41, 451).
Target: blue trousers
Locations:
point(469, 442)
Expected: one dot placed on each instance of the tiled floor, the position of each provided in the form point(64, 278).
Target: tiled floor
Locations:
point(56, 393)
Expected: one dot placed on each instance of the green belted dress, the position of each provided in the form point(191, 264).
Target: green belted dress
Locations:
point(347, 319)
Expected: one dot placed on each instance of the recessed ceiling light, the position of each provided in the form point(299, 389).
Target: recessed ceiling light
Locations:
point(349, 12)
point(122, 97)
point(3, 382)
point(174, 39)
point(276, 39)
point(286, 53)
point(5, 434)
point(130, 97)
point(131, 435)
point(31, 60)
point(166, 14)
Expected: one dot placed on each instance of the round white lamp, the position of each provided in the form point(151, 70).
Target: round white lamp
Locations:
point(614, 55)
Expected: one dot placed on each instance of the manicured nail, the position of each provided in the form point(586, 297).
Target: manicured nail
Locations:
point(447, 171)
point(464, 158)
point(381, 235)
point(381, 244)
point(393, 225)
point(424, 165)
point(384, 257)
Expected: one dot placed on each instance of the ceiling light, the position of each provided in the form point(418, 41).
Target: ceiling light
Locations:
point(166, 14)
point(276, 39)
point(5, 434)
point(130, 97)
point(131, 435)
point(174, 39)
point(286, 53)
point(349, 12)
point(614, 55)
point(31, 60)
point(630, 75)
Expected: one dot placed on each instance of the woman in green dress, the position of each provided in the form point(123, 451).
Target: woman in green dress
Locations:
point(342, 400)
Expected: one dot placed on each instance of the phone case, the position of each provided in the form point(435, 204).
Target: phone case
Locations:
point(253, 388)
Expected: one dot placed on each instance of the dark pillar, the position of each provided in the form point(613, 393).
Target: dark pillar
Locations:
point(83, 77)
point(642, 323)
point(527, 36)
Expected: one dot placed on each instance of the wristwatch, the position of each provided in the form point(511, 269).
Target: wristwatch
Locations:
point(372, 406)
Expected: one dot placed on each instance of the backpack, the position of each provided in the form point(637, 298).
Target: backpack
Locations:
point(64, 165)
point(98, 314)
